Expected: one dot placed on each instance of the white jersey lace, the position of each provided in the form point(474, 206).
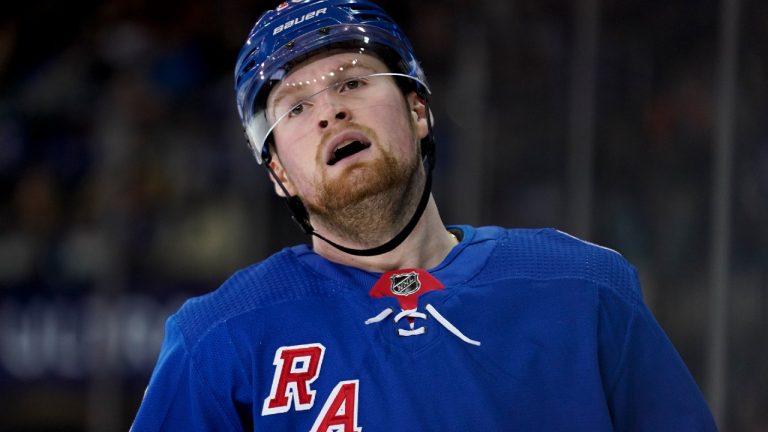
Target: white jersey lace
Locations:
point(414, 331)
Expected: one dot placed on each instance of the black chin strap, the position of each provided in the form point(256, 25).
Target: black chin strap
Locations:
point(301, 216)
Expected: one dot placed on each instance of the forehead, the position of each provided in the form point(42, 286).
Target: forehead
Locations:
point(326, 63)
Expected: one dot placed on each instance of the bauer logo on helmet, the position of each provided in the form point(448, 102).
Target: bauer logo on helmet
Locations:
point(288, 24)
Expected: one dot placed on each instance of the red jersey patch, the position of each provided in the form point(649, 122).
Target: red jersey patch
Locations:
point(406, 285)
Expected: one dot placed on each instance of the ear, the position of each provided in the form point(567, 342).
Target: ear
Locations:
point(279, 174)
point(418, 114)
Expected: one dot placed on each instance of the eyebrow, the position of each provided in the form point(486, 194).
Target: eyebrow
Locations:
point(343, 69)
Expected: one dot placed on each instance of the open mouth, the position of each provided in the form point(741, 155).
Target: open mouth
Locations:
point(347, 149)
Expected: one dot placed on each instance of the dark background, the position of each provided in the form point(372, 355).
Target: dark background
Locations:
point(126, 185)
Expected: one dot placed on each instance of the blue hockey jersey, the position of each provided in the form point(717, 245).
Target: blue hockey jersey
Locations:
point(516, 330)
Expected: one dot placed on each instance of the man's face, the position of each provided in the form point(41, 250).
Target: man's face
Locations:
point(340, 145)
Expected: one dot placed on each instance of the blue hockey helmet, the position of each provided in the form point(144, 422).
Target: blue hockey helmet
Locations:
point(297, 29)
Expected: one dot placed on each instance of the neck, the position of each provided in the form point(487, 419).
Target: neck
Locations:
point(427, 245)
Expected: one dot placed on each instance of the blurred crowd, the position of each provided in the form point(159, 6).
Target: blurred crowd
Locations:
point(122, 156)
point(125, 179)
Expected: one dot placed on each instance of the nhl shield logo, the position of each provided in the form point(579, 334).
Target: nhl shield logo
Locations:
point(404, 284)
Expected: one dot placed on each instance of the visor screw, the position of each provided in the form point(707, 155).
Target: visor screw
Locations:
point(324, 30)
point(290, 45)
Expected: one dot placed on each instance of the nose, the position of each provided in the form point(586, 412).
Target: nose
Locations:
point(341, 115)
point(336, 111)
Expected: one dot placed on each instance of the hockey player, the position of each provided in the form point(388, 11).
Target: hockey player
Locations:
point(389, 321)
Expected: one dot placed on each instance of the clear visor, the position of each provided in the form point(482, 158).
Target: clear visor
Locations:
point(299, 104)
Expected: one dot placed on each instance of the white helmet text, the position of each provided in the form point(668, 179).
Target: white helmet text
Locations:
point(299, 20)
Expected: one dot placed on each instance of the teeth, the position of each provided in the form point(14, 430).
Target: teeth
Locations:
point(344, 144)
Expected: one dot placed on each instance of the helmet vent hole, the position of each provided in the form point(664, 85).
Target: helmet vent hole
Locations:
point(249, 66)
point(363, 13)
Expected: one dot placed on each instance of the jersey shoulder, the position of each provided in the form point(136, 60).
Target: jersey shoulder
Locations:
point(550, 254)
point(279, 278)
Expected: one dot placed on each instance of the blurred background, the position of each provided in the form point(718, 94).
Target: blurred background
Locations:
point(126, 185)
